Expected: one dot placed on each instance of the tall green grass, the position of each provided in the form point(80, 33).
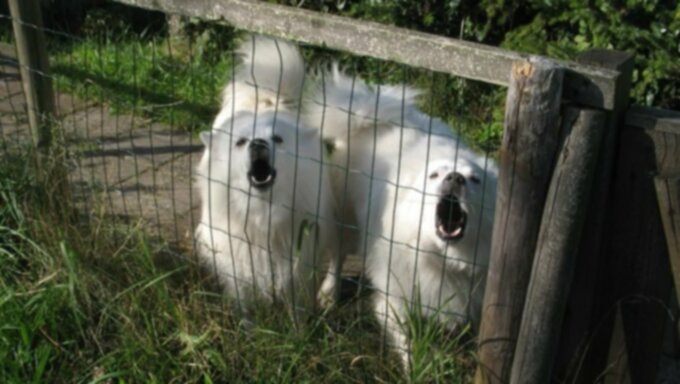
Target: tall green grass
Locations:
point(87, 299)
point(172, 84)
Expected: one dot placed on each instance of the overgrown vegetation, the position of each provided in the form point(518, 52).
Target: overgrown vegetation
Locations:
point(86, 299)
point(129, 74)
point(142, 71)
point(556, 28)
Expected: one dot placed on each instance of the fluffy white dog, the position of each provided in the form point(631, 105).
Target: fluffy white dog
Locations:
point(267, 216)
point(422, 200)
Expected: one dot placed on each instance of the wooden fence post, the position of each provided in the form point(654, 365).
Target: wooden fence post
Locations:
point(583, 315)
point(668, 194)
point(636, 281)
point(530, 141)
point(34, 68)
point(561, 225)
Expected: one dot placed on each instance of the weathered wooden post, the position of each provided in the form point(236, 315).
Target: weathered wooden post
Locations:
point(582, 314)
point(668, 194)
point(34, 68)
point(561, 226)
point(530, 141)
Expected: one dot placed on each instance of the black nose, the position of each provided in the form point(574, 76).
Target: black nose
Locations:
point(258, 149)
point(452, 183)
point(258, 143)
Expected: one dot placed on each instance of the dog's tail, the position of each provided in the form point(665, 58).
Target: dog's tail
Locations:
point(272, 65)
point(344, 106)
point(271, 75)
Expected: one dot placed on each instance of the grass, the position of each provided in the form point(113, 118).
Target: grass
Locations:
point(86, 299)
point(172, 85)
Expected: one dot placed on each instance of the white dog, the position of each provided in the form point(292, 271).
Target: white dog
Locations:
point(422, 200)
point(267, 214)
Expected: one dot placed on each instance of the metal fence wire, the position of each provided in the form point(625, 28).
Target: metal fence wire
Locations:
point(305, 178)
point(298, 179)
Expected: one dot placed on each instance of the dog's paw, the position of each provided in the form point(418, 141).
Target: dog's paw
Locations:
point(327, 296)
point(325, 300)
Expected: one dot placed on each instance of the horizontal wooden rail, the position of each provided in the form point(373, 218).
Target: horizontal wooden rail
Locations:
point(662, 120)
point(588, 85)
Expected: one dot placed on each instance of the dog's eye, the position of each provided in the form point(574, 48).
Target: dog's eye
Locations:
point(460, 180)
point(434, 175)
point(277, 139)
point(240, 142)
point(475, 179)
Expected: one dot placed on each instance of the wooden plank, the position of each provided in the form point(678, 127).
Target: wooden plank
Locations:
point(660, 120)
point(34, 68)
point(588, 84)
point(638, 267)
point(668, 195)
point(579, 355)
point(527, 155)
point(561, 226)
point(636, 274)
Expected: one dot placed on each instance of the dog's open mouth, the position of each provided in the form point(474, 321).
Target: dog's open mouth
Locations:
point(451, 218)
point(261, 174)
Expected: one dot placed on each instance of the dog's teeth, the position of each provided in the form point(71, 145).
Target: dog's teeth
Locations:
point(454, 233)
point(258, 182)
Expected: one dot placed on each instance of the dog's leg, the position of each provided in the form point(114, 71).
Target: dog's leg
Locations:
point(306, 271)
point(399, 341)
point(390, 315)
point(329, 294)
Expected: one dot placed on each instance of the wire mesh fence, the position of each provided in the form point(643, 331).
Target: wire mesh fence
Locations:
point(306, 176)
point(308, 181)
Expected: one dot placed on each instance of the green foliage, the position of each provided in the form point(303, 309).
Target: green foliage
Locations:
point(151, 77)
point(431, 346)
point(650, 29)
point(555, 28)
point(142, 71)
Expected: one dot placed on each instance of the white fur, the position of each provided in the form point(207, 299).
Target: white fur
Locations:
point(390, 148)
point(250, 237)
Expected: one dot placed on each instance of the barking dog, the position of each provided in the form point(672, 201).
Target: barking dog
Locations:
point(267, 215)
point(422, 200)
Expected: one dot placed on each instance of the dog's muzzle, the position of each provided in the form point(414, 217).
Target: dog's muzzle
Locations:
point(451, 217)
point(261, 173)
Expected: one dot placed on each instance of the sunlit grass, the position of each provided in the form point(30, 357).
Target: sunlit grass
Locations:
point(150, 77)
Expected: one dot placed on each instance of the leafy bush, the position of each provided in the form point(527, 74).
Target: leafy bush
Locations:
point(649, 28)
point(554, 28)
